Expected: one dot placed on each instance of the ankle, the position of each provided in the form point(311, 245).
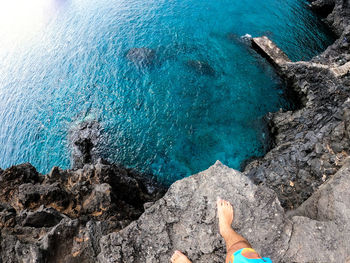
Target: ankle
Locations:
point(226, 232)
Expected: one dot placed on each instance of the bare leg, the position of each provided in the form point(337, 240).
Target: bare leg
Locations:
point(233, 240)
point(178, 257)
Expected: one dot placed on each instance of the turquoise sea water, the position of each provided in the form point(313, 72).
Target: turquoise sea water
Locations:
point(64, 61)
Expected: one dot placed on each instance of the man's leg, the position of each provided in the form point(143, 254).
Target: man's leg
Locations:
point(233, 240)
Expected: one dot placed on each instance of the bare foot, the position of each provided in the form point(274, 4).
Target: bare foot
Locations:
point(225, 214)
point(233, 240)
point(178, 257)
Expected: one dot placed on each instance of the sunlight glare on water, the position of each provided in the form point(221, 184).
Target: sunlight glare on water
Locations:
point(20, 19)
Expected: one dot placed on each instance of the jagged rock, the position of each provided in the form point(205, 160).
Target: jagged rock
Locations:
point(60, 238)
point(7, 216)
point(86, 243)
point(11, 178)
point(141, 56)
point(323, 7)
point(186, 219)
point(55, 218)
point(201, 67)
point(33, 196)
point(322, 223)
point(85, 140)
point(43, 217)
point(28, 253)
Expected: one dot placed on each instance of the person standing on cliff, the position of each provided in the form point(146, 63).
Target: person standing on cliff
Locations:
point(238, 248)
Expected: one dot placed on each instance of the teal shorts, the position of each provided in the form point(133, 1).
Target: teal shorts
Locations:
point(248, 255)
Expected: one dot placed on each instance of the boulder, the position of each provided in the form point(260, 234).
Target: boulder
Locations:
point(186, 220)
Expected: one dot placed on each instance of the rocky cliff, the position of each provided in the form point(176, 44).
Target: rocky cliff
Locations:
point(61, 216)
point(310, 143)
point(318, 231)
point(106, 213)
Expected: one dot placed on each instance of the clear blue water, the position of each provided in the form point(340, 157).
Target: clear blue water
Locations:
point(64, 61)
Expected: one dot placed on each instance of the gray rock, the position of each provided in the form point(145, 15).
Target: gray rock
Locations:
point(185, 219)
point(28, 253)
point(322, 223)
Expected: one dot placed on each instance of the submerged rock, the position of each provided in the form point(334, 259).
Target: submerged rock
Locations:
point(141, 56)
point(201, 67)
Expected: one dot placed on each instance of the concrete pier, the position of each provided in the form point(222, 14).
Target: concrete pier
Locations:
point(270, 51)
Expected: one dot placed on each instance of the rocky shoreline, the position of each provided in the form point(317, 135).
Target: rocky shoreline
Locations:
point(311, 143)
point(106, 213)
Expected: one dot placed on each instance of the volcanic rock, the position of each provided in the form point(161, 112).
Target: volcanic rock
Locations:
point(85, 140)
point(61, 216)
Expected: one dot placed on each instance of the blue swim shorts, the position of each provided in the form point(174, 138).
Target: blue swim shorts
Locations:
point(248, 255)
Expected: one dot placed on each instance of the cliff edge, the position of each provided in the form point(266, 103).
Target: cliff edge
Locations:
point(185, 219)
point(106, 213)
